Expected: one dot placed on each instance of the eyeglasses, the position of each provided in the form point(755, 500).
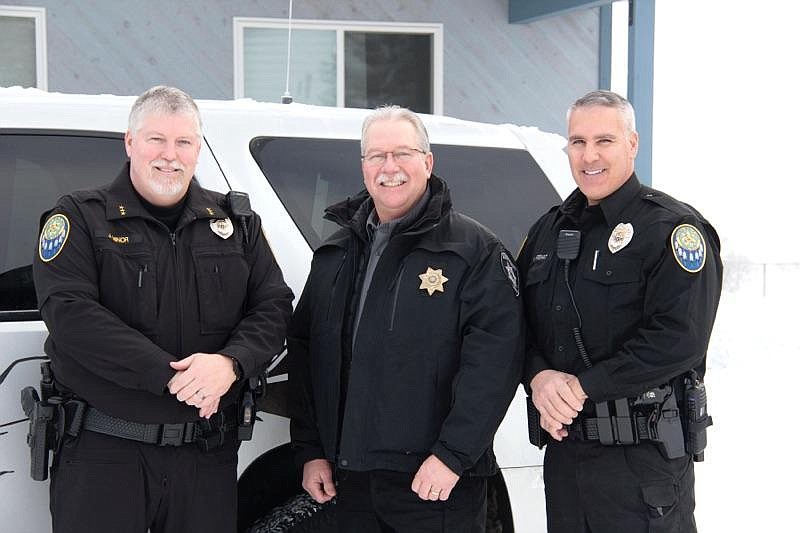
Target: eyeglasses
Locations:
point(400, 156)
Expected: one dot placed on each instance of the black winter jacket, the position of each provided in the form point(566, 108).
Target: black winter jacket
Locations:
point(431, 371)
point(125, 296)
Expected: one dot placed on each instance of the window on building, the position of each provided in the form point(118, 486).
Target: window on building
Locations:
point(345, 64)
point(35, 170)
point(23, 50)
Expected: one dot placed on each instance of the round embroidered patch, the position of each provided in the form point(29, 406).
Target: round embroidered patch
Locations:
point(689, 248)
point(53, 238)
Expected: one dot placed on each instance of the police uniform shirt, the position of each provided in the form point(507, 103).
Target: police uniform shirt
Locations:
point(646, 283)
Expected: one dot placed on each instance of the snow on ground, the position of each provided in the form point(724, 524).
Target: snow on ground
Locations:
point(748, 481)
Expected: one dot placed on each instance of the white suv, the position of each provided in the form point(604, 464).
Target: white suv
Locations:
point(293, 160)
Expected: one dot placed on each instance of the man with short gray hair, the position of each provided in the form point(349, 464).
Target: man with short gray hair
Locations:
point(161, 299)
point(405, 347)
point(621, 286)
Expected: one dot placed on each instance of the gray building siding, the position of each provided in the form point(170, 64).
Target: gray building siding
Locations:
point(493, 71)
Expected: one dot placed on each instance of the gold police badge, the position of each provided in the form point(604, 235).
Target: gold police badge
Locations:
point(432, 281)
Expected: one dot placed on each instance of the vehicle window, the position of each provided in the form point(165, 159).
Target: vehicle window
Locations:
point(504, 189)
point(35, 170)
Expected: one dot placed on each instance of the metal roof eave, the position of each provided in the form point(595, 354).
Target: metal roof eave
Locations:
point(524, 11)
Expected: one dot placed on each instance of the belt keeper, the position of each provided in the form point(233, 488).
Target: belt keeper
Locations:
point(75, 411)
point(172, 434)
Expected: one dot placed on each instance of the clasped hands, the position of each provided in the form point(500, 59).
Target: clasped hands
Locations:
point(433, 481)
point(559, 398)
point(201, 379)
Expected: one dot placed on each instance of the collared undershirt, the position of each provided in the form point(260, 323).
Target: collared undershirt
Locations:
point(379, 235)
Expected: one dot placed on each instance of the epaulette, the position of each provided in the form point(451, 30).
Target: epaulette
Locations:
point(85, 195)
point(668, 202)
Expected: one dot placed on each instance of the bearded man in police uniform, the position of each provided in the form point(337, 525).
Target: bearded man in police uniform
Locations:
point(405, 348)
point(624, 312)
point(160, 300)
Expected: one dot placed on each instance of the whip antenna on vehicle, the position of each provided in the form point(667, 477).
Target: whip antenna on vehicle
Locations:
point(287, 97)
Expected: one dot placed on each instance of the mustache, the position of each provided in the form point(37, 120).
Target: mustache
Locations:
point(171, 165)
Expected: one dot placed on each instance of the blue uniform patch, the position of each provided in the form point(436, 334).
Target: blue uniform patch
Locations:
point(54, 237)
point(689, 248)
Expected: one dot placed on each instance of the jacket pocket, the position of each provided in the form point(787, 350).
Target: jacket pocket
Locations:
point(537, 273)
point(221, 277)
point(615, 271)
point(128, 286)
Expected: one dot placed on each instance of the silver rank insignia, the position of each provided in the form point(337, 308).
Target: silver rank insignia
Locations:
point(689, 248)
point(53, 238)
point(432, 281)
point(620, 237)
point(222, 227)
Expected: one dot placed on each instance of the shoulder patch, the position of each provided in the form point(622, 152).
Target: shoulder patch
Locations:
point(688, 247)
point(511, 271)
point(55, 233)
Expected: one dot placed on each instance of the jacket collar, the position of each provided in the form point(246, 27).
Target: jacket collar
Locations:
point(613, 206)
point(123, 202)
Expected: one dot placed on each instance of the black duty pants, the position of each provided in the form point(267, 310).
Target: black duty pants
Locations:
point(610, 489)
point(105, 484)
point(380, 501)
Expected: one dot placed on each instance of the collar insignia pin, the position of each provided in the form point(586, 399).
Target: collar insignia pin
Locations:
point(222, 227)
point(432, 281)
point(620, 237)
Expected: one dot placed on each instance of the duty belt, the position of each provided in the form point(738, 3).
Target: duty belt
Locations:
point(624, 428)
point(208, 434)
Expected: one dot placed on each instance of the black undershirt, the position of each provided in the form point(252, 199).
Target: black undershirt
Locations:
point(168, 216)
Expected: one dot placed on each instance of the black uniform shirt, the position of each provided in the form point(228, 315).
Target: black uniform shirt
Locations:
point(122, 295)
point(645, 317)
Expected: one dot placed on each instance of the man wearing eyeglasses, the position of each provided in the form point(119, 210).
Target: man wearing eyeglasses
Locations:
point(404, 348)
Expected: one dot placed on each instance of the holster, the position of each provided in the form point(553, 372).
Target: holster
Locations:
point(46, 423)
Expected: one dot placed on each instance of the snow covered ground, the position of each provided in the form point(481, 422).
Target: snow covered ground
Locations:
point(748, 481)
point(725, 121)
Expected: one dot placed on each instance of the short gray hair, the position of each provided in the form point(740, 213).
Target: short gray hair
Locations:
point(395, 112)
point(607, 99)
point(163, 100)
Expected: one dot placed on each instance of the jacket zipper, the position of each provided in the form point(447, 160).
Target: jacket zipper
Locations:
point(179, 307)
point(395, 286)
point(142, 270)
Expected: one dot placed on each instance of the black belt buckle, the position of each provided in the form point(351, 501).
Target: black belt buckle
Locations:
point(172, 435)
